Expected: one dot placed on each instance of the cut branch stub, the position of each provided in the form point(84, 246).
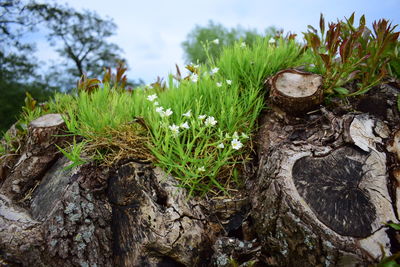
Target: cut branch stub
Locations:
point(44, 132)
point(39, 153)
point(296, 91)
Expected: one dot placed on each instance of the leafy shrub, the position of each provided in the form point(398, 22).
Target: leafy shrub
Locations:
point(345, 53)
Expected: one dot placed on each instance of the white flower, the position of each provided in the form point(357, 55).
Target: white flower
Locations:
point(184, 125)
point(174, 129)
point(221, 145)
point(229, 82)
point(202, 117)
point(201, 169)
point(219, 84)
point(151, 98)
point(243, 45)
point(187, 114)
point(244, 136)
point(272, 41)
point(216, 41)
point(210, 121)
point(236, 144)
point(168, 112)
point(194, 78)
point(196, 66)
point(235, 135)
point(214, 70)
point(160, 110)
point(149, 86)
point(163, 113)
point(156, 103)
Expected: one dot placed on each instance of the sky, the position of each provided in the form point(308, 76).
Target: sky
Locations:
point(151, 32)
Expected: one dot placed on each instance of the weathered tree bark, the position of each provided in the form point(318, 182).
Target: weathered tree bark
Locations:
point(66, 224)
point(324, 190)
point(394, 147)
point(154, 222)
point(48, 215)
point(89, 216)
point(39, 153)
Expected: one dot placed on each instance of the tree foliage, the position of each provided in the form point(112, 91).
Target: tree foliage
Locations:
point(83, 38)
point(16, 61)
point(17, 64)
point(201, 35)
point(80, 37)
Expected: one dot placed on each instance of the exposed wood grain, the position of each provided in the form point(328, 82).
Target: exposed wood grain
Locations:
point(319, 205)
point(295, 91)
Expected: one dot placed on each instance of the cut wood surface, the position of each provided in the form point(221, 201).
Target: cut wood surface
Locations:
point(296, 91)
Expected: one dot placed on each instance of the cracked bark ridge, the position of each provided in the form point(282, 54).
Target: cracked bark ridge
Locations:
point(154, 222)
point(227, 248)
point(227, 215)
point(394, 148)
point(64, 225)
point(295, 91)
point(322, 191)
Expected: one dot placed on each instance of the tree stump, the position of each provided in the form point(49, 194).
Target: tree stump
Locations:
point(91, 216)
point(295, 91)
point(39, 153)
point(324, 187)
point(323, 192)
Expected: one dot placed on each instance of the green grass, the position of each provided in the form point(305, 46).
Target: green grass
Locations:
point(249, 66)
point(74, 153)
point(94, 114)
point(3, 150)
point(204, 154)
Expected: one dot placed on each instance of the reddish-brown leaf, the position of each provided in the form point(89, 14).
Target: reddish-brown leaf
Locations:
point(322, 24)
point(326, 59)
point(343, 50)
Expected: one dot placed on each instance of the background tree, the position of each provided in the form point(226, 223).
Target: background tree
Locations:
point(194, 45)
point(80, 38)
point(18, 66)
point(15, 64)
